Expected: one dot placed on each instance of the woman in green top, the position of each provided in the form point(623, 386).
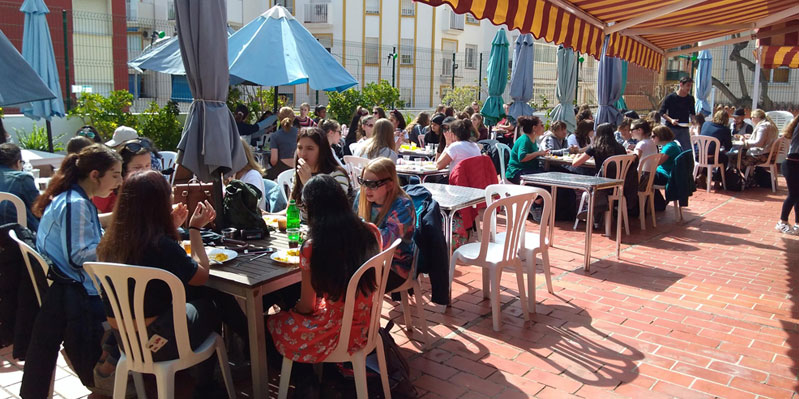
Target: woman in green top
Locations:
point(524, 155)
point(663, 137)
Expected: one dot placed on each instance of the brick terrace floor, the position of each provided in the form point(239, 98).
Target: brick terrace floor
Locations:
point(699, 309)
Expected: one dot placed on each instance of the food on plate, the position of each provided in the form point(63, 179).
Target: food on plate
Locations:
point(220, 257)
point(285, 257)
point(293, 252)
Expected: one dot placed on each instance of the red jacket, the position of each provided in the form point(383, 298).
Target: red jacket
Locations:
point(476, 172)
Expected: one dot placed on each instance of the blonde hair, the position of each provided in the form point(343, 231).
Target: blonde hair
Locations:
point(788, 130)
point(757, 112)
point(305, 106)
point(382, 137)
point(286, 118)
point(383, 168)
point(721, 117)
point(252, 164)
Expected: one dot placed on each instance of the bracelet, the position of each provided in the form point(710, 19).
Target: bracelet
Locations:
point(195, 228)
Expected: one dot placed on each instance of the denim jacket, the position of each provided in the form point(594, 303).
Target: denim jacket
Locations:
point(69, 233)
point(23, 186)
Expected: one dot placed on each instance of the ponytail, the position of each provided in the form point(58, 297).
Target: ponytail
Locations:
point(286, 118)
point(74, 168)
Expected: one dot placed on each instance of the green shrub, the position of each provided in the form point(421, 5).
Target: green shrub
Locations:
point(460, 97)
point(342, 105)
point(105, 113)
point(257, 100)
point(37, 139)
point(161, 125)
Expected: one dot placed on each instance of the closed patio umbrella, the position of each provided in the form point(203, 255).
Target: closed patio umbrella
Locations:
point(564, 91)
point(521, 76)
point(621, 104)
point(608, 88)
point(497, 75)
point(37, 49)
point(210, 143)
point(24, 85)
point(704, 82)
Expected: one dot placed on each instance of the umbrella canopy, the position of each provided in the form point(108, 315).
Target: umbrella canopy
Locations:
point(24, 85)
point(704, 82)
point(210, 142)
point(497, 75)
point(521, 77)
point(162, 56)
point(275, 49)
point(37, 49)
point(566, 85)
point(621, 104)
point(608, 88)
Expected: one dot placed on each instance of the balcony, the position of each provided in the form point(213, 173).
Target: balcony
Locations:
point(456, 22)
point(316, 13)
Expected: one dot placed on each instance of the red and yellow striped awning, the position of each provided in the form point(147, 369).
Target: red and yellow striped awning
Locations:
point(581, 24)
point(779, 45)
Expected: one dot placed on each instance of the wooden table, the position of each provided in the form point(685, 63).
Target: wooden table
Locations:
point(451, 199)
point(589, 184)
point(251, 280)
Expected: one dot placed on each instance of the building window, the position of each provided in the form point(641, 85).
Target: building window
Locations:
point(326, 42)
point(406, 95)
point(289, 4)
point(455, 20)
point(372, 51)
point(134, 45)
point(780, 75)
point(170, 10)
point(448, 49)
point(471, 56)
point(408, 10)
point(471, 20)
point(545, 53)
point(132, 9)
point(316, 12)
point(372, 7)
point(406, 52)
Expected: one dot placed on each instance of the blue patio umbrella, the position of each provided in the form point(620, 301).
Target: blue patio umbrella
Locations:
point(564, 91)
point(621, 104)
point(162, 56)
point(608, 88)
point(22, 86)
point(37, 49)
point(704, 82)
point(521, 76)
point(497, 75)
point(275, 49)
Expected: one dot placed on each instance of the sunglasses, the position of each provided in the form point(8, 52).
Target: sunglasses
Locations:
point(372, 184)
point(136, 146)
point(370, 124)
point(86, 133)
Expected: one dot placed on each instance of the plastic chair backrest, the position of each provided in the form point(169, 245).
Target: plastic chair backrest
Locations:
point(381, 264)
point(648, 164)
point(286, 180)
point(778, 147)
point(780, 118)
point(621, 164)
point(702, 144)
point(421, 140)
point(497, 191)
point(22, 217)
point(501, 148)
point(113, 278)
point(516, 206)
point(27, 254)
point(355, 166)
point(169, 160)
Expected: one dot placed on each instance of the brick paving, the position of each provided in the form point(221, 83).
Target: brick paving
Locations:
point(699, 309)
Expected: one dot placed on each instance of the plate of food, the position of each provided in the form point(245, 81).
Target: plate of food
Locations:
point(220, 255)
point(289, 257)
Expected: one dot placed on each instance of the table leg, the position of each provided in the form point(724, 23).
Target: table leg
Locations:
point(550, 236)
point(618, 223)
point(589, 229)
point(255, 325)
point(448, 230)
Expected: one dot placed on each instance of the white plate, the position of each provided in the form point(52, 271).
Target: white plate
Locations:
point(212, 252)
point(284, 258)
point(684, 124)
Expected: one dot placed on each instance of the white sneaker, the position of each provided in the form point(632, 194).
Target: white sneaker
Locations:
point(796, 229)
point(786, 228)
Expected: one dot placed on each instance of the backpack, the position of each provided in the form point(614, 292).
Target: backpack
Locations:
point(241, 206)
point(735, 181)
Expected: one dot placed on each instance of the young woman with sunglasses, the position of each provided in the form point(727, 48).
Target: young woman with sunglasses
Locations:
point(383, 202)
point(135, 157)
point(365, 131)
point(460, 147)
point(381, 144)
point(90, 133)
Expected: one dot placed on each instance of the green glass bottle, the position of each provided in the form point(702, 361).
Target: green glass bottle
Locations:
point(293, 224)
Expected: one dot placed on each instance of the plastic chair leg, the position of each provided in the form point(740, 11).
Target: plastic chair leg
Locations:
point(547, 271)
point(530, 262)
point(623, 213)
point(487, 288)
point(285, 378)
point(652, 210)
point(138, 380)
point(121, 380)
point(381, 362)
point(359, 370)
point(165, 382)
point(224, 367)
point(723, 177)
point(583, 200)
point(772, 170)
point(642, 211)
point(495, 314)
point(406, 311)
point(419, 297)
point(522, 295)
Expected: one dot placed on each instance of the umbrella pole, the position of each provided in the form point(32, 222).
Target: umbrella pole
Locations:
point(49, 135)
point(218, 201)
point(275, 106)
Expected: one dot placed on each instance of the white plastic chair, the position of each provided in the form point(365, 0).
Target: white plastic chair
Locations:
point(701, 146)
point(677, 207)
point(381, 264)
point(778, 148)
point(622, 164)
point(647, 195)
point(22, 217)
point(493, 254)
point(136, 357)
point(780, 118)
point(169, 160)
point(286, 181)
point(27, 254)
point(355, 165)
point(501, 148)
point(532, 242)
point(421, 140)
point(412, 283)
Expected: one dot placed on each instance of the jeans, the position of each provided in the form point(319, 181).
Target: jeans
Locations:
point(790, 169)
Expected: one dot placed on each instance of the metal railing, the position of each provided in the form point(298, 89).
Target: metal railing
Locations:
point(316, 13)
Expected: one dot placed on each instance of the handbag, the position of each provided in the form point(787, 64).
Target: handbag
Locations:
point(192, 193)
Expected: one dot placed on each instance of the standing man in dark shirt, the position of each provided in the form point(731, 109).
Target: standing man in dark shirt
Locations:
point(677, 109)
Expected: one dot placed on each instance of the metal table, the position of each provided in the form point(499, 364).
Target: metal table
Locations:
point(38, 158)
point(452, 199)
point(251, 280)
point(418, 153)
point(589, 184)
point(552, 160)
point(422, 173)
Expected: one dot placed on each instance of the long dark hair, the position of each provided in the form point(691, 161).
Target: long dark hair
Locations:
point(462, 129)
point(400, 119)
point(326, 163)
point(582, 131)
point(74, 168)
point(355, 125)
point(341, 241)
point(142, 215)
point(605, 140)
point(2, 132)
point(127, 155)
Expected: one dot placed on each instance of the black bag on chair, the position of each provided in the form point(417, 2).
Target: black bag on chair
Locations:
point(241, 206)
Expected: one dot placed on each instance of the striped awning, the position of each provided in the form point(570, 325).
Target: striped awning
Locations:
point(779, 45)
point(642, 30)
